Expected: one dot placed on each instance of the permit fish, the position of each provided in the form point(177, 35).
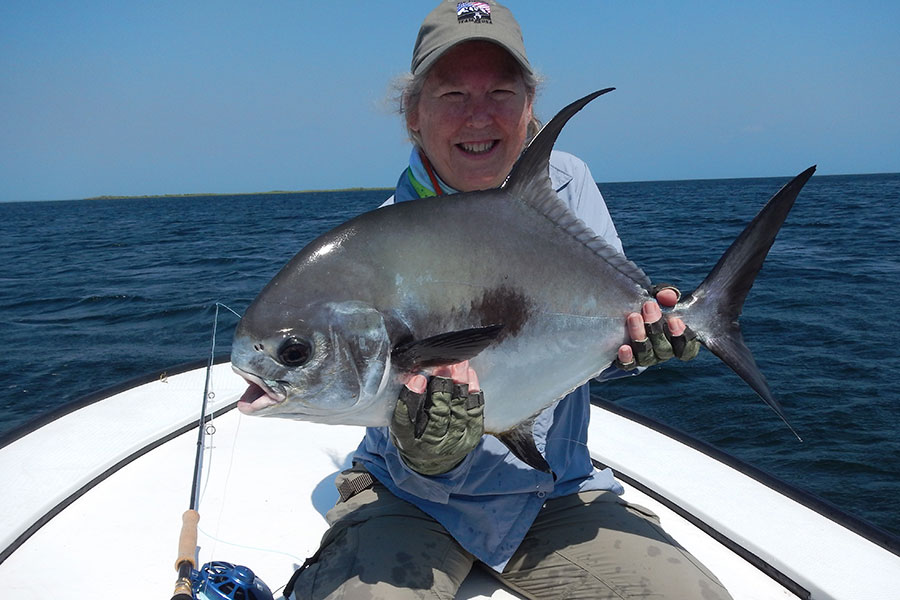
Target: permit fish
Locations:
point(507, 278)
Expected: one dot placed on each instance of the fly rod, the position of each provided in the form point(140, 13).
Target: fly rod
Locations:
point(187, 541)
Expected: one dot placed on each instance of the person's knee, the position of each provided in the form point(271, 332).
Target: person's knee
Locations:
point(388, 556)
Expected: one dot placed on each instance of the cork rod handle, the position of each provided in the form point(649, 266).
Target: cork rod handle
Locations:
point(187, 541)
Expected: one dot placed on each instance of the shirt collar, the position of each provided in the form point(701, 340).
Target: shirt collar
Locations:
point(420, 179)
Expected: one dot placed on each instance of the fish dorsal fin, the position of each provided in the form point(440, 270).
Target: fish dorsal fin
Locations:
point(533, 166)
point(529, 182)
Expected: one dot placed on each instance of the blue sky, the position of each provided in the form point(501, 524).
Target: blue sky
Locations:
point(130, 98)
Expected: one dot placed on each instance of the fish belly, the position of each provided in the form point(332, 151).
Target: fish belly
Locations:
point(522, 376)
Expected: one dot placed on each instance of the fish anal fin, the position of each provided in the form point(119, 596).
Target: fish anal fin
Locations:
point(445, 348)
point(520, 442)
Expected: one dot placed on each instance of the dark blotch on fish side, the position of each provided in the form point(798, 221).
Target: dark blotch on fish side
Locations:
point(503, 305)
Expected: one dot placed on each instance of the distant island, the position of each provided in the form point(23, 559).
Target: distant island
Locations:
point(271, 193)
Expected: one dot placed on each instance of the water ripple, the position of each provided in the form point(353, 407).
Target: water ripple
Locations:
point(95, 292)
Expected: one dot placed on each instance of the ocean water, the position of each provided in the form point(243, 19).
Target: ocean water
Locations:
point(94, 292)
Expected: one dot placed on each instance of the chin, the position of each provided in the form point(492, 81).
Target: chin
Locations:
point(482, 183)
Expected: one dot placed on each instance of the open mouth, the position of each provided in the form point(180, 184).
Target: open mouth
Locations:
point(478, 148)
point(258, 395)
point(255, 399)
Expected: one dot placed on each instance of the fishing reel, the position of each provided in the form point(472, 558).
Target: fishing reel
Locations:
point(218, 580)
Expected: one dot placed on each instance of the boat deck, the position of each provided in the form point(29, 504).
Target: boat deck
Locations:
point(95, 497)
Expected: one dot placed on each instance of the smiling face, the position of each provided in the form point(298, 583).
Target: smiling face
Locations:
point(472, 115)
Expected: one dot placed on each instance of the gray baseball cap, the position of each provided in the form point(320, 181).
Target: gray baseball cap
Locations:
point(453, 22)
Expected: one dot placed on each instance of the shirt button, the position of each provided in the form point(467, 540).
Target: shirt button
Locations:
point(542, 494)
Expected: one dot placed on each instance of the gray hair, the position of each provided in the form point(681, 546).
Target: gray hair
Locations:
point(407, 89)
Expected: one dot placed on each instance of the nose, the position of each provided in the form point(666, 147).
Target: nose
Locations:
point(480, 113)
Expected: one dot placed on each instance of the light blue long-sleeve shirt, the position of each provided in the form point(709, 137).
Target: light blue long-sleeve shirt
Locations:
point(490, 500)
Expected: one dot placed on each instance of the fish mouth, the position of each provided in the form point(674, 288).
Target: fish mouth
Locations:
point(260, 394)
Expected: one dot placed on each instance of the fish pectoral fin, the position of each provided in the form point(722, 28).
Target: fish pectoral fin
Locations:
point(417, 406)
point(445, 348)
point(520, 442)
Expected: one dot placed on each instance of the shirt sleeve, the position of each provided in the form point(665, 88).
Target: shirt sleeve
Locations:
point(575, 186)
point(400, 478)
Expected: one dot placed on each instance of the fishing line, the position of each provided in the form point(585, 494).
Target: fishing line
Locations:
point(201, 429)
point(209, 431)
point(228, 472)
point(254, 548)
point(215, 579)
point(235, 313)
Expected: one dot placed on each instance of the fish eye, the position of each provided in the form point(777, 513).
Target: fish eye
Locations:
point(294, 352)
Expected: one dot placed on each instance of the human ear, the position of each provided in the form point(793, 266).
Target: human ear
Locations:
point(412, 119)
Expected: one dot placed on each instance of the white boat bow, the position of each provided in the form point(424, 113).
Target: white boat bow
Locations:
point(95, 493)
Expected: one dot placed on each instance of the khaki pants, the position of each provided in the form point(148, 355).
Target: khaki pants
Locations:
point(591, 545)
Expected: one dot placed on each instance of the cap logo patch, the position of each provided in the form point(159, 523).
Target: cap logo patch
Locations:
point(473, 12)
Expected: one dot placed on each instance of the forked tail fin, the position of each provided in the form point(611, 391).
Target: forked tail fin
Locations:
point(712, 310)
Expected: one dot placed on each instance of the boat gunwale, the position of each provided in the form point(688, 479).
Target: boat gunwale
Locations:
point(869, 531)
point(41, 420)
point(88, 400)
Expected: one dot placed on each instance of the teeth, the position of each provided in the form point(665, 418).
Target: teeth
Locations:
point(275, 390)
point(477, 147)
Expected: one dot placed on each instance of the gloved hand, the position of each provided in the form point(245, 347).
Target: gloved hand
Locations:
point(435, 427)
point(654, 340)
